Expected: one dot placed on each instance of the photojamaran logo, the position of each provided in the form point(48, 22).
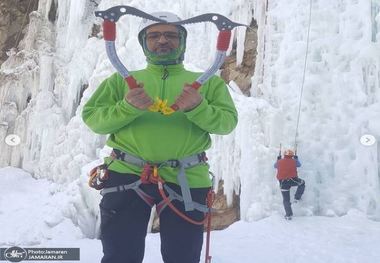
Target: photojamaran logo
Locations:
point(15, 254)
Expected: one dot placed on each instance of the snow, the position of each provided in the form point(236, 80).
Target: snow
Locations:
point(42, 211)
point(338, 219)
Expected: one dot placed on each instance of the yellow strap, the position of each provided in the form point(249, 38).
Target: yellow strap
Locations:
point(156, 105)
point(161, 106)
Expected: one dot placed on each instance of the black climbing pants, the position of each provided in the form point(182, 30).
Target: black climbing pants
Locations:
point(285, 186)
point(124, 220)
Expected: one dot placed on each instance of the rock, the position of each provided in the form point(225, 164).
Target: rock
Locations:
point(243, 73)
point(222, 217)
point(14, 18)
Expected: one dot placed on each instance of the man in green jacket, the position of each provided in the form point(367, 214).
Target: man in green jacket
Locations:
point(140, 136)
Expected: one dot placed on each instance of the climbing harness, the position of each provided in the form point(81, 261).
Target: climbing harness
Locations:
point(150, 175)
point(150, 172)
point(112, 15)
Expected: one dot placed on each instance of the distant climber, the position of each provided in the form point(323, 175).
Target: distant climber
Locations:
point(287, 177)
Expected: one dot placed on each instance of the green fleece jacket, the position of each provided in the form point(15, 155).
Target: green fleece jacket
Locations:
point(155, 137)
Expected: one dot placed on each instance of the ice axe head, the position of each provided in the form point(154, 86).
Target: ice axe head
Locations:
point(113, 14)
point(221, 22)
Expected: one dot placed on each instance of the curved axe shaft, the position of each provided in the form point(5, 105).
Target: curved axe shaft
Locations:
point(224, 26)
point(111, 16)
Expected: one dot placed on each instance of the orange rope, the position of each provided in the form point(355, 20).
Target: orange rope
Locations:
point(175, 210)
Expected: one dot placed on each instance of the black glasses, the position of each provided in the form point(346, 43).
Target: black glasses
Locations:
point(168, 35)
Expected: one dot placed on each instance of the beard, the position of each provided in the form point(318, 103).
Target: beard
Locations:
point(163, 50)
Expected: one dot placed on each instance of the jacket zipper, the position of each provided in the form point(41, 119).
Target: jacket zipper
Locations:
point(164, 76)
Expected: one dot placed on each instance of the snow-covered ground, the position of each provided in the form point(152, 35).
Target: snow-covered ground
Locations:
point(36, 213)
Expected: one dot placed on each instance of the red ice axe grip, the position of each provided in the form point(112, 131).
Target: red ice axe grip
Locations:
point(223, 40)
point(174, 107)
point(109, 30)
point(131, 82)
point(195, 85)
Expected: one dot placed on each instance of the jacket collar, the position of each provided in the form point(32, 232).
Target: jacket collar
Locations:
point(160, 69)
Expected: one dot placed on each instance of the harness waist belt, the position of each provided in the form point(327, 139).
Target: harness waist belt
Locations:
point(182, 164)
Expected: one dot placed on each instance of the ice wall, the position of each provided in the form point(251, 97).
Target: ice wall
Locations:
point(61, 62)
point(340, 103)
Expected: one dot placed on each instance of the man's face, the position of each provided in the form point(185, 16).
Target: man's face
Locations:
point(162, 39)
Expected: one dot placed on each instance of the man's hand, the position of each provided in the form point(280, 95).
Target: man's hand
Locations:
point(189, 98)
point(138, 98)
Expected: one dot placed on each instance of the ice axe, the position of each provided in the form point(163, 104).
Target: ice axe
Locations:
point(111, 16)
point(224, 26)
